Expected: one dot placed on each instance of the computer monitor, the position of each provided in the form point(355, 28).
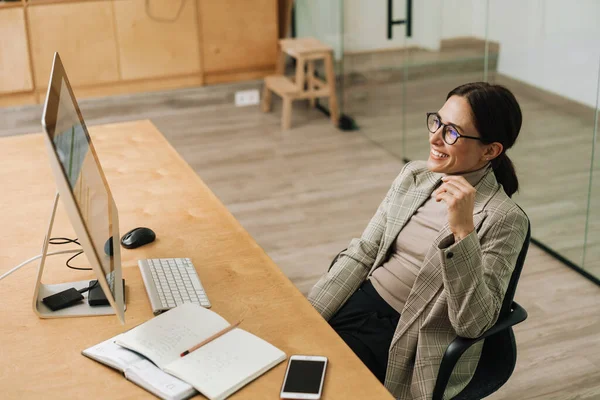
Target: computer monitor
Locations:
point(86, 196)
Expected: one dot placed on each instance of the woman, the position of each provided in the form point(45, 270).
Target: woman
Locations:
point(436, 259)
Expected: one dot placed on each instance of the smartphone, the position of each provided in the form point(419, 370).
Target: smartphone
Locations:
point(304, 377)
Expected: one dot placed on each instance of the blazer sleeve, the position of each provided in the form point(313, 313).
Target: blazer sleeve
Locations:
point(476, 272)
point(352, 267)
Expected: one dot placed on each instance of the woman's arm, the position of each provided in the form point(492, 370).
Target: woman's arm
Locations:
point(476, 273)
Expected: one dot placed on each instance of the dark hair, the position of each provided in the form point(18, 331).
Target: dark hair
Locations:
point(497, 117)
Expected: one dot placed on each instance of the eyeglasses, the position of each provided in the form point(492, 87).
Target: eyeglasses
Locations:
point(449, 132)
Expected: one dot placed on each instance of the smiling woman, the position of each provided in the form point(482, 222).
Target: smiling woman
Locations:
point(491, 116)
point(436, 259)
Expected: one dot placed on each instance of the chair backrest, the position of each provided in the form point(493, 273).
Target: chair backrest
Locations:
point(499, 353)
point(514, 279)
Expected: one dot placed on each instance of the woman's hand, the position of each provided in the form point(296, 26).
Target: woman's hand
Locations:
point(459, 196)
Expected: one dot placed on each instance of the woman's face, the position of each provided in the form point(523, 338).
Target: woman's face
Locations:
point(465, 155)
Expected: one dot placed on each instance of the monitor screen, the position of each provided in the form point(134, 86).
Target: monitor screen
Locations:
point(87, 187)
point(82, 170)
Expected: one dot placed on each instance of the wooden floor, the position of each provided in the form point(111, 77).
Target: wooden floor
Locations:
point(303, 194)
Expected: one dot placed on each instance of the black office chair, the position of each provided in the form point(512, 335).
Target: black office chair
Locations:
point(499, 353)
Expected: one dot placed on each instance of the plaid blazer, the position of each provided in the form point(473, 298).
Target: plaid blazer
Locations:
point(459, 289)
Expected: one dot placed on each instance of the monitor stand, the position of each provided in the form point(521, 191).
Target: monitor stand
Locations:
point(82, 309)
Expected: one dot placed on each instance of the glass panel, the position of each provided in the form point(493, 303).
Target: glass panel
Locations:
point(591, 261)
point(392, 82)
point(449, 55)
point(548, 57)
point(323, 20)
point(546, 52)
point(374, 54)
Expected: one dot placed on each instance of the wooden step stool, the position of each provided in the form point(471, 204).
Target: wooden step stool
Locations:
point(306, 51)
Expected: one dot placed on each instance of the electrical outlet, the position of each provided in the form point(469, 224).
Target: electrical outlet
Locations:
point(247, 98)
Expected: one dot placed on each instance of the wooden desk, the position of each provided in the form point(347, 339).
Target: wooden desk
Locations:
point(152, 186)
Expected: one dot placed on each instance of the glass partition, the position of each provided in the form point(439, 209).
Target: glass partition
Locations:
point(323, 20)
point(401, 58)
point(591, 259)
point(397, 60)
point(374, 52)
point(548, 57)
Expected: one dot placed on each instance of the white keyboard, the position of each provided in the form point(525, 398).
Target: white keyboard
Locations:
point(171, 282)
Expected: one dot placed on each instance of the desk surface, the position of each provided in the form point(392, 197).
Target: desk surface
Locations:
point(152, 186)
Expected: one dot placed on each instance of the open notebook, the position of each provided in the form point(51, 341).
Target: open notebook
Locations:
point(217, 369)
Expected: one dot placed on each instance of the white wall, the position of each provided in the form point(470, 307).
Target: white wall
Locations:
point(456, 18)
point(551, 44)
point(365, 24)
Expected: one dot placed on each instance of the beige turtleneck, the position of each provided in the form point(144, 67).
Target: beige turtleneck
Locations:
point(394, 279)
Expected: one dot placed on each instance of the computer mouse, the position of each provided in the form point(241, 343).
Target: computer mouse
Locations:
point(108, 247)
point(138, 237)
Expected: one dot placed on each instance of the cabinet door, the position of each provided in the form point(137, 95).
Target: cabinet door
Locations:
point(238, 35)
point(84, 36)
point(15, 73)
point(156, 39)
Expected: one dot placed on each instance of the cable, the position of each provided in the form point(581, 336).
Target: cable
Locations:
point(64, 240)
point(152, 17)
point(89, 287)
point(35, 258)
point(58, 241)
point(77, 268)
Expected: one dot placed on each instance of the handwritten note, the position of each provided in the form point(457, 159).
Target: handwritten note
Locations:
point(226, 364)
point(164, 337)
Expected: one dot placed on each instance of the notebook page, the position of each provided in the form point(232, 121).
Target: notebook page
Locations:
point(111, 354)
point(226, 364)
point(163, 338)
point(161, 384)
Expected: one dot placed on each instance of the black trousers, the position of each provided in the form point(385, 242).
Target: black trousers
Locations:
point(367, 324)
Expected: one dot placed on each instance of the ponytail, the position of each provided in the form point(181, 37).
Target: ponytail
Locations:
point(505, 174)
point(497, 117)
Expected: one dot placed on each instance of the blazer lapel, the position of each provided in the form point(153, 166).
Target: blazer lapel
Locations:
point(429, 280)
point(403, 207)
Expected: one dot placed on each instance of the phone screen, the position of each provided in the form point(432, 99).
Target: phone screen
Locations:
point(304, 376)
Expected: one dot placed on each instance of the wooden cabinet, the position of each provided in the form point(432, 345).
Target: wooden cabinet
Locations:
point(125, 46)
point(156, 39)
point(15, 74)
point(83, 34)
point(238, 35)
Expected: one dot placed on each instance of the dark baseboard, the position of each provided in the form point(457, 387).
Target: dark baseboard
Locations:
point(345, 123)
point(568, 263)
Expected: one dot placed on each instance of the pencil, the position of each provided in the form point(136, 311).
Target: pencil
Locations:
point(210, 339)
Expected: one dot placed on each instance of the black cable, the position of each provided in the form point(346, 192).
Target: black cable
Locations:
point(64, 240)
point(89, 287)
point(77, 268)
